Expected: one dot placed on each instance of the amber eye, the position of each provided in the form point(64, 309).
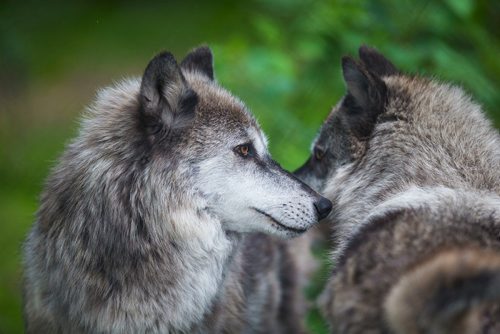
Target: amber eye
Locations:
point(318, 153)
point(245, 150)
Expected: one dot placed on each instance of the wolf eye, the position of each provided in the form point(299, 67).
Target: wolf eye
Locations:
point(318, 153)
point(244, 150)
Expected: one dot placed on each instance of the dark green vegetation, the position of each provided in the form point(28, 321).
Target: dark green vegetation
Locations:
point(281, 57)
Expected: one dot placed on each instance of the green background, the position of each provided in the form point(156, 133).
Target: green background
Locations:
point(281, 57)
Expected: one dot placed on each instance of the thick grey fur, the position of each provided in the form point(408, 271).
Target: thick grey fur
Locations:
point(154, 221)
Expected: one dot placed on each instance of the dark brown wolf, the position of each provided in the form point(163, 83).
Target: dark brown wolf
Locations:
point(412, 167)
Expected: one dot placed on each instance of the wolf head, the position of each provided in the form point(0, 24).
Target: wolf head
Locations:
point(392, 131)
point(175, 141)
point(350, 123)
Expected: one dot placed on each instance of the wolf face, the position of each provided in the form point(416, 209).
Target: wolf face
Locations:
point(343, 135)
point(249, 192)
point(329, 151)
point(243, 186)
point(233, 170)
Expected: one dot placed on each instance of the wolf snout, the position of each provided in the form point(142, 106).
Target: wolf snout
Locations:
point(323, 207)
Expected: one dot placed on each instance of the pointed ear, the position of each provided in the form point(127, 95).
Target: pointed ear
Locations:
point(166, 100)
point(200, 60)
point(376, 62)
point(365, 99)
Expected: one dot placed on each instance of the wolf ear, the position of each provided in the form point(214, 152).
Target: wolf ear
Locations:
point(376, 62)
point(166, 100)
point(365, 99)
point(200, 60)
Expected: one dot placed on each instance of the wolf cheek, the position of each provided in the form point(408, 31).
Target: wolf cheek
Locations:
point(255, 194)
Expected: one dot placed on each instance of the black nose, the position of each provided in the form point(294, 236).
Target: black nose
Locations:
point(323, 206)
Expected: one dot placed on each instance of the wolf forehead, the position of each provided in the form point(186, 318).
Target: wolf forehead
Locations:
point(217, 107)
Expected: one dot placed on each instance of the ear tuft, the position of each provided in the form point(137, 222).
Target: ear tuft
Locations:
point(200, 60)
point(376, 62)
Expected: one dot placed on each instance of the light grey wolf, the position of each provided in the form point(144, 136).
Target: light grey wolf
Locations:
point(153, 219)
point(412, 167)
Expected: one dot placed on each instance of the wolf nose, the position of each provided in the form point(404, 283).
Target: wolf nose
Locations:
point(323, 207)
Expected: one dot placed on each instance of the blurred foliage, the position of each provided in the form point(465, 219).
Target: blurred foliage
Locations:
point(281, 57)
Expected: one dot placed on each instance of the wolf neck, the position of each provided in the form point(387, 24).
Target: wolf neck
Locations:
point(197, 264)
point(181, 269)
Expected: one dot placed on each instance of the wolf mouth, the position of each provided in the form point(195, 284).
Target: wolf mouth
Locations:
point(274, 220)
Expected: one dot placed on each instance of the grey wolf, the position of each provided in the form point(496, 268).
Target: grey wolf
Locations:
point(161, 214)
point(412, 167)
